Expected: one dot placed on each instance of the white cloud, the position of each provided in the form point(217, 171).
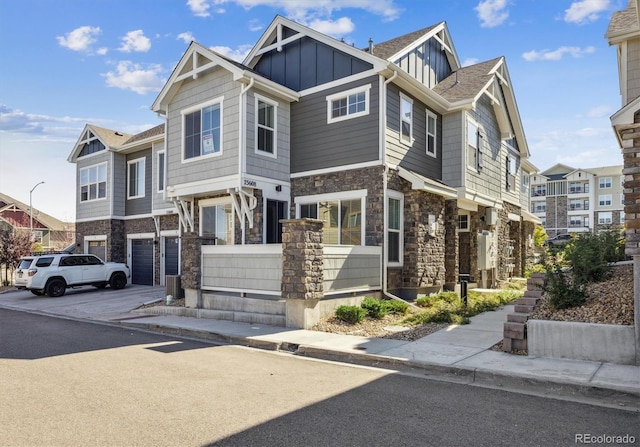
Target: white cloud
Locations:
point(130, 76)
point(584, 11)
point(334, 28)
point(602, 111)
point(135, 41)
point(492, 12)
point(470, 61)
point(80, 39)
point(199, 8)
point(102, 51)
point(186, 37)
point(255, 25)
point(237, 55)
point(17, 121)
point(556, 55)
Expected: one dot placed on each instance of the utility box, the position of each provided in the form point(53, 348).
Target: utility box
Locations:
point(172, 286)
point(487, 250)
point(491, 216)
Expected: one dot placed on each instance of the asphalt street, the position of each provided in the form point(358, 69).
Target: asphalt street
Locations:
point(67, 382)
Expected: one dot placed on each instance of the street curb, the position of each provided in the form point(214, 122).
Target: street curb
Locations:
point(619, 398)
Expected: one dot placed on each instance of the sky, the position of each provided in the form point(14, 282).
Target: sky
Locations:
point(66, 63)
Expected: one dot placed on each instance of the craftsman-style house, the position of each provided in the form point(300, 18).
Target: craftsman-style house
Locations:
point(416, 169)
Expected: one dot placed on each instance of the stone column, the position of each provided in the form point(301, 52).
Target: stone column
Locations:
point(302, 270)
point(631, 172)
point(451, 243)
point(191, 269)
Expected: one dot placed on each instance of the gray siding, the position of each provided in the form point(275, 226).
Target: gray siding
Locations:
point(413, 157)
point(453, 149)
point(119, 184)
point(427, 63)
point(306, 63)
point(218, 83)
point(95, 208)
point(158, 201)
point(491, 179)
point(263, 165)
point(315, 144)
point(140, 205)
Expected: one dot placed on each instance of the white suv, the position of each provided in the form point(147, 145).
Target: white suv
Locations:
point(54, 273)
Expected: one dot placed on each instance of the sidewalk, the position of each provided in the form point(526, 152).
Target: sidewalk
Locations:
point(459, 353)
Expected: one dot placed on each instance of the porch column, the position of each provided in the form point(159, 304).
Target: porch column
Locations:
point(191, 268)
point(302, 270)
point(451, 243)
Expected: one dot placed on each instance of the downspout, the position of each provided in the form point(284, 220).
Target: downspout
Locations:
point(385, 199)
point(242, 138)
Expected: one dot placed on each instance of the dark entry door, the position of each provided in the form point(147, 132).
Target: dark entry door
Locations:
point(171, 254)
point(142, 261)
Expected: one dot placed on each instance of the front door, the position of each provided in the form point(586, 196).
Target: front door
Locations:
point(171, 254)
point(142, 261)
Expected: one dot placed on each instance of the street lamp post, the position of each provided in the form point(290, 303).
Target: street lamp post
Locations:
point(31, 210)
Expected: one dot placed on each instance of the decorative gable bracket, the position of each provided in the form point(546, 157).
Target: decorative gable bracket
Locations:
point(243, 204)
point(185, 212)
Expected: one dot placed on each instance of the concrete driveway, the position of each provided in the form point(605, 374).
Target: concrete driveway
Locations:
point(85, 302)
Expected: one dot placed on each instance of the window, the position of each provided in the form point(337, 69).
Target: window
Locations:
point(202, 130)
point(512, 167)
point(161, 171)
point(621, 199)
point(394, 230)
point(406, 119)
point(93, 183)
point(605, 200)
point(341, 214)
point(622, 217)
point(276, 211)
point(605, 218)
point(216, 221)
point(524, 183)
point(432, 120)
point(265, 126)
point(463, 222)
point(346, 105)
point(474, 146)
point(135, 181)
point(605, 182)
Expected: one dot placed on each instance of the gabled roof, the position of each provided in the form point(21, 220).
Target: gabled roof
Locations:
point(198, 60)
point(144, 135)
point(467, 84)
point(395, 48)
point(624, 24)
point(109, 138)
point(558, 168)
point(45, 219)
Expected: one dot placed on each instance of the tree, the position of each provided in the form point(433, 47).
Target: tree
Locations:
point(539, 236)
point(13, 246)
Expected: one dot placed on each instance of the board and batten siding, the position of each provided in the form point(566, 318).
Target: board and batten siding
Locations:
point(426, 62)
point(264, 165)
point(412, 157)
point(316, 144)
point(633, 74)
point(216, 84)
point(307, 63)
point(140, 205)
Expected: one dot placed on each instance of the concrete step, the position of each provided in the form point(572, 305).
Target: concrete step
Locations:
point(528, 301)
point(533, 293)
point(517, 317)
point(523, 308)
point(515, 330)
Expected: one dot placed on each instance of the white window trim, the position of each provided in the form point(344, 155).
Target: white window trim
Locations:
point(607, 215)
point(464, 230)
point(605, 180)
point(396, 196)
point(213, 202)
point(354, 91)
point(258, 99)
point(402, 140)
point(161, 170)
point(106, 192)
point(142, 170)
point(603, 198)
point(185, 112)
point(338, 196)
point(477, 145)
point(430, 114)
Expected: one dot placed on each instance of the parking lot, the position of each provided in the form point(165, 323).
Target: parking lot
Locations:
point(84, 302)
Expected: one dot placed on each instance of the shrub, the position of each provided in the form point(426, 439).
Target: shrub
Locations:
point(426, 301)
point(350, 314)
point(375, 308)
point(564, 291)
point(396, 307)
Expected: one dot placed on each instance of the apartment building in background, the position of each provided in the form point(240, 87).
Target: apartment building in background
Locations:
point(570, 200)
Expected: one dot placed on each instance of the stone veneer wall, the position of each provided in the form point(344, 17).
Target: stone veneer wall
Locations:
point(451, 242)
point(366, 178)
point(527, 252)
point(302, 259)
point(113, 229)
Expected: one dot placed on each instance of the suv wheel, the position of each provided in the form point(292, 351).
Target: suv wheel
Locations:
point(56, 287)
point(118, 281)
